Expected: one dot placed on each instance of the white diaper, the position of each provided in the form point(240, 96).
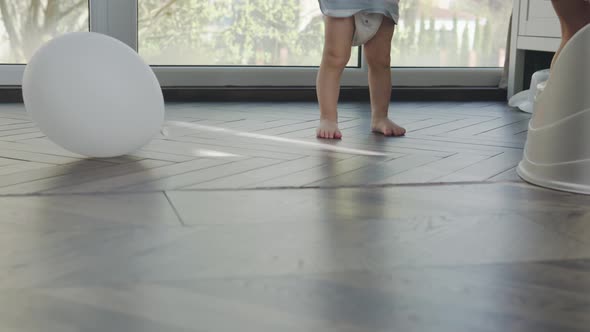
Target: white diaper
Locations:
point(368, 15)
point(366, 26)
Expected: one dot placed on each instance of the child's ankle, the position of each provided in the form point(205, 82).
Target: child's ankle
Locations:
point(329, 117)
point(379, 116)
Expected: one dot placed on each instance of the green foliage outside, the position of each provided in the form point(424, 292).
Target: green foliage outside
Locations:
point(266, 32)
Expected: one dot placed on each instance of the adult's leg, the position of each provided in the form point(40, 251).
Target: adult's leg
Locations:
point(573, 16)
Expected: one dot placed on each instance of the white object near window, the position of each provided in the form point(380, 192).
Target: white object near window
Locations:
point(535, 27)
point(538, 19)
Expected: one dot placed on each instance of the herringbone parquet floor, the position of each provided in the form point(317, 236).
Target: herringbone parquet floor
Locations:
point(268, 145)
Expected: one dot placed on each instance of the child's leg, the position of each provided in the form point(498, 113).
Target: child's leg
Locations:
point(336, 54)
point(573, 15)
point(377, 53)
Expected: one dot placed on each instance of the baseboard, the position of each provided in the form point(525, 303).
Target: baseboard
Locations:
point(11, 94)
point(276, 94)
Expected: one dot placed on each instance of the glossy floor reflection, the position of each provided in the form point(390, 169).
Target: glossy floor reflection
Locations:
point(489, 257)
point(203, 232)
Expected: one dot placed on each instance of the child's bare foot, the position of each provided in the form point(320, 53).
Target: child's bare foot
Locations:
point(329, 129)
point(387, 127)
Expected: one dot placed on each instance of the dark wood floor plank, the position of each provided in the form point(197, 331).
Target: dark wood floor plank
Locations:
point(486, 169)
point(330, 168)
point(377, 173)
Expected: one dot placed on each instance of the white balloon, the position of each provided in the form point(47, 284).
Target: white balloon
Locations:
point(93, 95)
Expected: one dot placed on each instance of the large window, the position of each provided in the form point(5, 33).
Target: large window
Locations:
point(27, 24)
point(264, 42)
point(232, 33)
point(451, 33)
point(430, 33)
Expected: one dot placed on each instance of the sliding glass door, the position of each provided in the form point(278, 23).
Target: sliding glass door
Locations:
point(27, 24)
point(264, 42)
point(222, 33)
point(452, 33)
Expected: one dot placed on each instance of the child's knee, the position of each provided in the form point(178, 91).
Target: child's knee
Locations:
point(335, 58)
point(378, 60)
